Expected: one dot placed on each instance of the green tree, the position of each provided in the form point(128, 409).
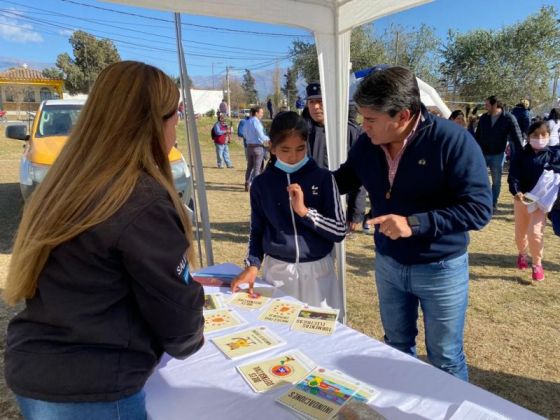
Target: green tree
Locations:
point(52, 73)
point(414, 48)
point(290, 88)
point(365, 51)
point(91, 55)
point(514, 62)
point(177, 80)
point(248, 85)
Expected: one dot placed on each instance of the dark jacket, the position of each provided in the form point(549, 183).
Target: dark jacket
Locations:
point(441, 179)
point(526, 167)
point(522, 116)
point(109, 302)
point(317, 149)
point(274, 232)
point(492, 139)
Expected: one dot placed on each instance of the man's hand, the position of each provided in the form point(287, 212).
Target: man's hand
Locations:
point(247, 276)
point(392, 225)
point(353, 227)
point(518, 196)
point(296, 198)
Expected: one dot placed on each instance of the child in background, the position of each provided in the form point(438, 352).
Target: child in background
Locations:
point(525, 170)
point(296, 216)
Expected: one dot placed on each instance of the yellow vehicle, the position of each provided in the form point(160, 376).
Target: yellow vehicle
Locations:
point(48, 134)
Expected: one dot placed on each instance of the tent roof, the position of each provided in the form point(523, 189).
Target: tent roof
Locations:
point(314, 15)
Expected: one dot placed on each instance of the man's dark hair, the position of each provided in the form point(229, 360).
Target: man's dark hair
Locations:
point(389, 90)
point(255, 110)
point(493, 100)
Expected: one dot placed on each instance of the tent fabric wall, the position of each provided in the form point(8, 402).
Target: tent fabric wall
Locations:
point(331, 22)
point(205, 100)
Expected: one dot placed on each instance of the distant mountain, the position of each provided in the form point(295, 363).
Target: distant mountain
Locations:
point(9, 62)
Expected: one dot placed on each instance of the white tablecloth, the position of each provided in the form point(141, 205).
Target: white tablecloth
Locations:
point(207, 385)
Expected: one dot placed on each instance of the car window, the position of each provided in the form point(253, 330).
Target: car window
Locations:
point(57, 120)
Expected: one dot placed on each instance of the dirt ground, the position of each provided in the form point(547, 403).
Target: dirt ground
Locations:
point(513, 325)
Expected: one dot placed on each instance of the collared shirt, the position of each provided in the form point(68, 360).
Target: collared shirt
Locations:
point(393, 164)
point(253, 131)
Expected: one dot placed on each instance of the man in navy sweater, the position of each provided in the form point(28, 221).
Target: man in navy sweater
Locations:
point(427, 180)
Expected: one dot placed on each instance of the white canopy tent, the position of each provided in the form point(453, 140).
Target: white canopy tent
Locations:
point(331, 22)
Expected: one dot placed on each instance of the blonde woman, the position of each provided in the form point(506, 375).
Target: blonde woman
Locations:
point(101, 259)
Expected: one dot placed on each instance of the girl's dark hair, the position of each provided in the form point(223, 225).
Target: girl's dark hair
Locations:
point(286, 124)
point(456, 114)
point(536, 126)
point(554, 115)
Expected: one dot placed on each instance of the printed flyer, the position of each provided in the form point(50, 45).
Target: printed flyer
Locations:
point(267, 374)
point(247, 342)
point(313, 320)
point(281, 311)
point(244, 300)
point(221, 319)
point(320, 395)
point(213, 301)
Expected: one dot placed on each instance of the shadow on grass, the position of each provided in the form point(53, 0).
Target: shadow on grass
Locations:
point(237, 232)
point(11, 205)
point(502, 261)
point(359, 264)
point(214, 186)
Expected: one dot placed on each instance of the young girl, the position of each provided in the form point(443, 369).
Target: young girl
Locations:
point(525, 170)
point(296, 216)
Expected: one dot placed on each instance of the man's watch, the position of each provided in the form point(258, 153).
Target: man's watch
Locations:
point(414, 223)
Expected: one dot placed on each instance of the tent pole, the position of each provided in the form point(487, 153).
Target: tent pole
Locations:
point(192, 133)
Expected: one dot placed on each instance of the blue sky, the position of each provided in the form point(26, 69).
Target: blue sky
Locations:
point(36, 32)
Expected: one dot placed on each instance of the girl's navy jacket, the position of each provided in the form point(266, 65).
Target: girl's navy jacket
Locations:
point(276, 230)
point(526, 167)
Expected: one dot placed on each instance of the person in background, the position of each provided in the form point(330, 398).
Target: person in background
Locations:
point(241, 135)
point(524, 172)
point(221, 134)
point(473, 124)
point(522, 115)
point(300, 104)
point(256, 145)
point(317, 149)
point(428, 187)
point(269, 107)
point(553, 122)
point(223, 108)
point(494, 130)
point(296, 217)
point(102, 259)
point(458, 117)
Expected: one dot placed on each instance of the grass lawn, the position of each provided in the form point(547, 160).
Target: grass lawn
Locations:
point(513, 325)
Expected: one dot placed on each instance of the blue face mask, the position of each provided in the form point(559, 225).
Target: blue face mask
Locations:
point(290, 168)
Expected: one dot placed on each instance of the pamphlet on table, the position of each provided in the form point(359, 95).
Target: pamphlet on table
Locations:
point(247, 342)
point(320, 395)
point(315, 320)
point(281, 311)
point(273, 372)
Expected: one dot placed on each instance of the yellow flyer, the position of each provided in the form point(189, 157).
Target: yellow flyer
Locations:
point(221, 319)
point(267, 374)
point(315, 320)
point(213, 301)
point(320, 395)
point(247, 342)
point(281, 311)
point(244, 300)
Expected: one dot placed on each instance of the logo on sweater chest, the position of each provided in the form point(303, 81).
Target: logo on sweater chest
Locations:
point(314, 190)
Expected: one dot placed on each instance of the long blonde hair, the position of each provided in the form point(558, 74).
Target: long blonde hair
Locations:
point(119, 134)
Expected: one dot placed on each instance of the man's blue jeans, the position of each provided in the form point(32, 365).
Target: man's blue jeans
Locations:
point(222, 155)
point(130, 408)
point(441, 289)
point(495, 163)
